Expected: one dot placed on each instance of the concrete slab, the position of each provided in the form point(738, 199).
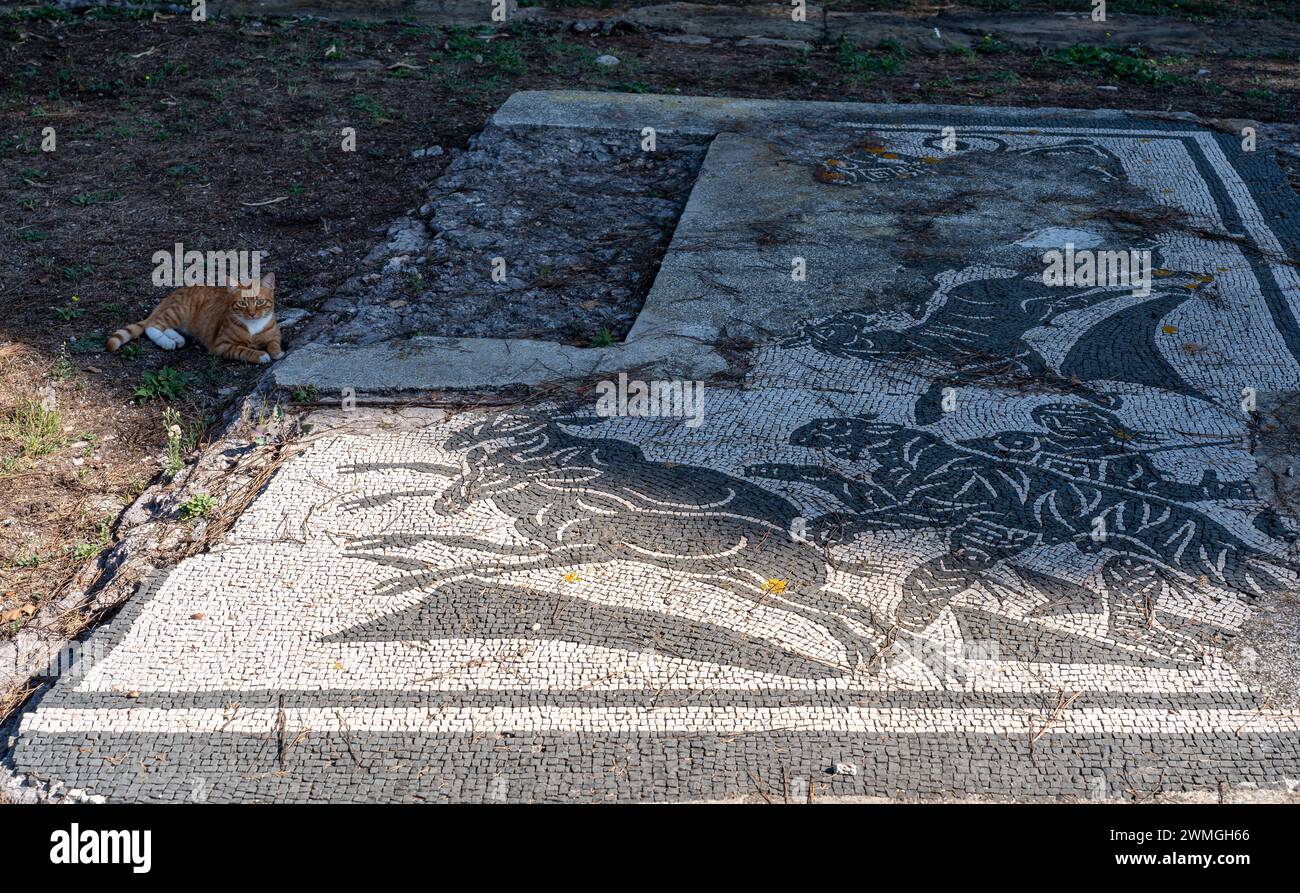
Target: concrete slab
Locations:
point(707, 115)
point(470, 363)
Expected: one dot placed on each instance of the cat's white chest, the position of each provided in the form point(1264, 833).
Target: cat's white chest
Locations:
point(255, 326)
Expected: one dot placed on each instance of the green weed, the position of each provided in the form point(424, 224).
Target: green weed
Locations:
point(197, 506)
point(167, 383)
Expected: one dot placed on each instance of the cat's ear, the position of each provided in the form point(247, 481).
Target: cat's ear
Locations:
point(268, 282)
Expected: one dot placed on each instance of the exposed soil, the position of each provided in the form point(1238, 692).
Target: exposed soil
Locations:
point(227, 135)
point(1195, 10)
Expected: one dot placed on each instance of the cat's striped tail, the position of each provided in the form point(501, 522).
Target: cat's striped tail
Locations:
point(121, 336)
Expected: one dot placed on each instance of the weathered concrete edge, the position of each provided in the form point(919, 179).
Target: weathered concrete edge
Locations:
point(470, 363)
point(707, 115)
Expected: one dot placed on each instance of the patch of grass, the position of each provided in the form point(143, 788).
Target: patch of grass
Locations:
point(167, 383)
point(304, 394)
point(467, 46)
point(45, 13)
point(369, 106)
point(82, 551)
point(98, 197)
point(36, 428)
point(631, 87)
point(182, 437)
point(1129, 65)
point(989, 45)
point(68, 313)
point(197, 506)
point(174, 461)
point(603, 338)
point(33, 235)
point(507, 60)
point(63, 368)
point(1008, 76)
point(463, 44)
point(566, 56)
point(887, 58)
point(92, 342)
point(212, 373)
point(30, 560)
point(167, 70)
point(1194, 10)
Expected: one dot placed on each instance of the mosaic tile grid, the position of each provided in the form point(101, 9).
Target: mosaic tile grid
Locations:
point(540, 604)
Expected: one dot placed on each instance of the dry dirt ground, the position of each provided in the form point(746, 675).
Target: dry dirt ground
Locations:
point(227, 134)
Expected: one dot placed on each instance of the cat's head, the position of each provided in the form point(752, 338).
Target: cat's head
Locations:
point(255, 300)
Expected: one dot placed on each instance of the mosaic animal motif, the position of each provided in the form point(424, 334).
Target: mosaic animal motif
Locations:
point(975, 333)
point(873, 162)
point(582, 500)
point(996, 497)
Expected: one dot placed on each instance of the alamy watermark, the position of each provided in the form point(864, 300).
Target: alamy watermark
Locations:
point(652, 399)
point(88, 846)
point(1115, 269)
point(74, 659)
point(178, 267)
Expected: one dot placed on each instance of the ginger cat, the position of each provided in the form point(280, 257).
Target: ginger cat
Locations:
point(234, 322)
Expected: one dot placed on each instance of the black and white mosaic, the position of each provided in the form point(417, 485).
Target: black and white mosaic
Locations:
point(988, 539)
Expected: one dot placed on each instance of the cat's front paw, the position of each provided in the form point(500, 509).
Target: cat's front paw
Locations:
point(277, 355)
point(263, 358)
